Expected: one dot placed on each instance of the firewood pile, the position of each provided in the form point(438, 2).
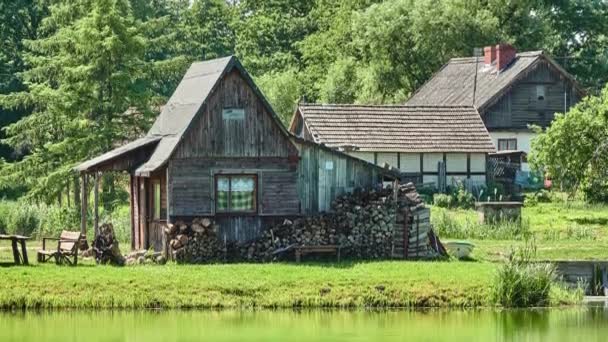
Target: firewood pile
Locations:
point(363, 224)
point(106, 248)
point(195, 243)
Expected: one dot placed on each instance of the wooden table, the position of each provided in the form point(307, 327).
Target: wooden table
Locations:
point(20, 258)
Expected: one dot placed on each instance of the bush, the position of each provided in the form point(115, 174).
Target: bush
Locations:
point(520, 283)
point(464, 199)
point(442, 200)
point(57, 219)
point(540, 196)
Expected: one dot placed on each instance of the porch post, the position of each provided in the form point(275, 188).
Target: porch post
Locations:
point(83, 204)
point(96, 204)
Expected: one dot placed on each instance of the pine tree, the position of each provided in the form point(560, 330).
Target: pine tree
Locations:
point(83, 76)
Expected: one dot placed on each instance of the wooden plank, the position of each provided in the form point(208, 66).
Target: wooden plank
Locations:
point(96, 204)
point(83, 206)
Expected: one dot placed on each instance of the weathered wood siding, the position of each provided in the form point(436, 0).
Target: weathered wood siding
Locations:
point(255, 135)
point(193, 184)
point(323, 175)
point(520, 106)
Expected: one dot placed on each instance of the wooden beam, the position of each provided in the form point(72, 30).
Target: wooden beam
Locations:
point(83, 204)
point(132, 190)
point(96, 204)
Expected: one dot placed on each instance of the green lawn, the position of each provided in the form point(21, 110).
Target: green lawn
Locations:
point(562, 230)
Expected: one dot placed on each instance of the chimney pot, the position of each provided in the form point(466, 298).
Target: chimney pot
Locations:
point(505, 54)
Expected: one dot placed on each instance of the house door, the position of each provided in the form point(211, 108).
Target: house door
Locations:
point(157, 214)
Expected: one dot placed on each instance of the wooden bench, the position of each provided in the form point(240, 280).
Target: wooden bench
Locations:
point(66, 251)
point(327, 249)
point(15, 241)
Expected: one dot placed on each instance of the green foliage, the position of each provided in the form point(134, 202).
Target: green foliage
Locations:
point(443, 200)
point(282, 90)
point(458, 198)
point(574, 149)
point(521, 283)
point(533, 198)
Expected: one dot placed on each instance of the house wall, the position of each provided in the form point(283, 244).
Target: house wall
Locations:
point(521, 106)
point(213, 135)
point(524, 141)
point(251, 143)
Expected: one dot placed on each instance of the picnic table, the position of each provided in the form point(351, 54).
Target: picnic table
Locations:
point(20, 258)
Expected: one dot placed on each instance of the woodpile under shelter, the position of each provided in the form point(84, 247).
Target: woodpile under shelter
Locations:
point(218, 150)
point(427, 144)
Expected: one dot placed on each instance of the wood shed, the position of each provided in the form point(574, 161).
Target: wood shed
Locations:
point(218, 150)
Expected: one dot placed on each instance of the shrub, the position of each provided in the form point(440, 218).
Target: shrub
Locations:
point(442, 200)
point(57, 219)
point(464, 199)
point(23, 218)
point(520, 283)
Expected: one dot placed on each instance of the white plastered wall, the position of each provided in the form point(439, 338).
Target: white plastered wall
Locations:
point(524, 141)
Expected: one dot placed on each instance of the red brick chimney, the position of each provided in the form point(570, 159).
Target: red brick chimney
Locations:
point(505, 54)
point(489, 54)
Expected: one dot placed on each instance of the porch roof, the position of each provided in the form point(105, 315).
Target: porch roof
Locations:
point(124, 151)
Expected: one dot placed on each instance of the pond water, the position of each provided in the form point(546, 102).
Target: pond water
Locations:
point(570, 324)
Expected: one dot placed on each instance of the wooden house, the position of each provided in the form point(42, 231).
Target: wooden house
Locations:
point(218, 150)
point(510, 90)
point(437, 145)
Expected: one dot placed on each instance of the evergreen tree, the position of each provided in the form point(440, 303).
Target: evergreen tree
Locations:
point(82, 79)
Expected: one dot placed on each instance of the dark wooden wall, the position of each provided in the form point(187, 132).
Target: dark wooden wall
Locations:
point(258, 135)
point(520, 105)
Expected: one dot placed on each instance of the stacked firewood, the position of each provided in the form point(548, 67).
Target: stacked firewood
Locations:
point(359, 223)
point(363, 224)
point(194, 243)
point(106, 248)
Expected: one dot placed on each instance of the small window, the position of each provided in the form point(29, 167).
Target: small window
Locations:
point(540, 92)
point(157, 201)
point(235, 193)
point(507, 144)
point(233, 114)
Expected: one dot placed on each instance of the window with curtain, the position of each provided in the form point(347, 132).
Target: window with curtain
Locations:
point(235, 193)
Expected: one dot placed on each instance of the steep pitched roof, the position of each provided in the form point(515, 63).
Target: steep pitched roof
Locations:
point(397, 128)
point(453, 84)
point(176, 116)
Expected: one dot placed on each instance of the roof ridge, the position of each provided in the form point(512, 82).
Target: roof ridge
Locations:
point(397, 105)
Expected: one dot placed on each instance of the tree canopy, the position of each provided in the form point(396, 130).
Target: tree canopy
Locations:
point(80, 77)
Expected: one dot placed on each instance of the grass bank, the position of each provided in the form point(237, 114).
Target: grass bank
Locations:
point(343, 285)
point(561, 230)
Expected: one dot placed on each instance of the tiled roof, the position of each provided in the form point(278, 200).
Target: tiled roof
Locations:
point(401, 128)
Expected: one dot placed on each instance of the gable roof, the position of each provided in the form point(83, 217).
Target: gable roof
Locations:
point(453, 84)
point(198, 83)
point(401, 128)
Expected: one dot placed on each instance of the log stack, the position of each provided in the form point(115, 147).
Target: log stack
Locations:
point(194, 243)
point(106, 247)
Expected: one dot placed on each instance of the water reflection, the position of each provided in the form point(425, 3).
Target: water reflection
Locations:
point(570, 324)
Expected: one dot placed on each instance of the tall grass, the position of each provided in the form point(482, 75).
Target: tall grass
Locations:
point(520, 282)
point(448, 227)
point(38, 220)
